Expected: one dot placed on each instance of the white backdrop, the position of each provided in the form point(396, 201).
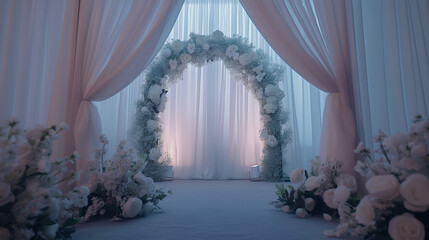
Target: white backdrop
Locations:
point(211, 122)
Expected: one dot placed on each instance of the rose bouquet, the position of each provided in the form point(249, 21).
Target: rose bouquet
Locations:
point(31, 203)
point(118, 187)
point(320, 192)
point(397, 202)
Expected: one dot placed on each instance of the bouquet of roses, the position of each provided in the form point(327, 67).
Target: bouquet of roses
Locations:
point(319, 192)
point(118, 187)
point(31, 203)
point(398, 188)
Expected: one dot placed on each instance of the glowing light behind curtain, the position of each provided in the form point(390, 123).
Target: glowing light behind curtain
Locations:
point(202, 90)
point(392, 46)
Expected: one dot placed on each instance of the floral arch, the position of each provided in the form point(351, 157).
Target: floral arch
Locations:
point(253, 68)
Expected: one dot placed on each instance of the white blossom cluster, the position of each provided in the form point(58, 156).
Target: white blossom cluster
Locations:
point(253, 68)
point(397, 182)
point(118, 187)
point(31, 203)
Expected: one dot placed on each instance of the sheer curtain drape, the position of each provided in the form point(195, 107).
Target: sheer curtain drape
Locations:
point(223, 104)
point(392, 47)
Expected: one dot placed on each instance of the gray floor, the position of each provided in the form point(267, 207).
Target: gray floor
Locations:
point(235, 209)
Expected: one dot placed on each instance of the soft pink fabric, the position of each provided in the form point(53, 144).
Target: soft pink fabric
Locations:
point(320, 55)
point(115, 42)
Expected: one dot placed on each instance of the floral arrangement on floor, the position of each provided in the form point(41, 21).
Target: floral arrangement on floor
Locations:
point(319, 193)
point(397, 182)
point(253, 68)
point(31, 203)
point(118, 187)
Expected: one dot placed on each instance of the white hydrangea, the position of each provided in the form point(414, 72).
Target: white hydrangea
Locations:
point(155, 154)
point(271, 141)
point(154, 94)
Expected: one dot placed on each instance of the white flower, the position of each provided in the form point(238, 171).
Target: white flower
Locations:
point(415, 190)
point(406, 227)
point(139, 178)
point(274, 91)
point(297, 175)
point(360, 147)
point(264, 134)
point(270, 108)
point(328, 198)
point(201, 39)
point(312, 183)
point(151, 125)
point(245, 59)
point(163, 81)
point(166, 52)
point(286, 208)
point(265, 118)
point(260, 77)
point(301, 212)
point(154, 94)
point(341, 194)
point(44, 165)
point(132, 207)
point(258, 69)
point(177, 46)
point(216, 35)
point(4, 233)
point(144, 110)
point(191, 48)
point(231, 50)
point(365, 212)
point(346, 180)
point(384, 187)
point(64, 126)
point(50, 231)
point(327, 217)
point(260, 93)
point(272, 141)
point(419, 150)
point(84, 190)
point(185, 58)
point(110, 185)
point(173, 64)
point(155, 154)
point(206, 46)
point(147, 208)
point(309, 204)
point(396, 141)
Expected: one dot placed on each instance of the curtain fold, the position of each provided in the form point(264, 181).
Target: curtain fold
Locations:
point(115, 41)
point(312, 38)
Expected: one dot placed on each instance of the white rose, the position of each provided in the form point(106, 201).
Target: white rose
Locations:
point(415, 190)
point(274, 91)
point(297, 175)
point(365, 212)
point(260, 93)
point(166, 52)
point(155, 154)
point(154, 93)
point(301, 212)
point(359, 148)
point(346, 180)
point(231, 50)
point(264, 134)
point(328, 198)
point(144, 110)
point(132, 207)
point(245, 59)
point(216, 35)
point(286, 208)
point(84, 190)
point(151, 125)
point(44, 165)
point(398, 140)
point(191, 48)
point(173, 64)
point(4, 233)
point(270, 108)
point(341, 194)
point(139, 178)
point(177, 46)
point(384, 187)
point(148, 207)
point(271, 141)
point(419, 150)
point(50, 231)
point(312, 183)
point(310, 204)
point(327, 217)
point(5, 193)
point(260, 77)
point(185, 58)
point(206, 46)
point(258, 69)
point(406, 227)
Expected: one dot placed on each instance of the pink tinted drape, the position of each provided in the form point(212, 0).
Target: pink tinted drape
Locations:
point(311, 36)
point(115, 41)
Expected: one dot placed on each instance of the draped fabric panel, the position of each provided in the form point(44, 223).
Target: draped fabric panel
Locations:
point(211, 123)
point(392, 47)
point(115, 40)
point(312, 38)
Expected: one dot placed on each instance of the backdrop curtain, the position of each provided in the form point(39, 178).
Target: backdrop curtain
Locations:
point(312, 37)
point(31, 33)
point(211, 123)
point(392, 54)
point(115, 40)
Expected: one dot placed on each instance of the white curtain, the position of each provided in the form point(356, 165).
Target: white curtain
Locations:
point(30, 37)
point(392, 52)
point(115, 41)
point(211, 124)
point(313, 38)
